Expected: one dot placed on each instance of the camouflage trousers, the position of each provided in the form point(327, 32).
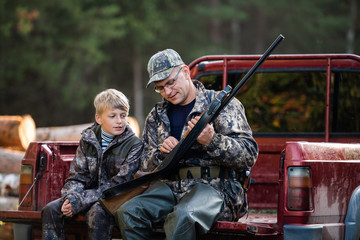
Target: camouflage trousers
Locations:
point(192, 216)
point(100, 223)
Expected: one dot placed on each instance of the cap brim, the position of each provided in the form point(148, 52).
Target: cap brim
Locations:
point(160, 76)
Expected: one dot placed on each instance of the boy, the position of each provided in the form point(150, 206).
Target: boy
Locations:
point(108, 154)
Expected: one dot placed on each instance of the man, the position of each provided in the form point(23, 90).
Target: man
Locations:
point(205, 187)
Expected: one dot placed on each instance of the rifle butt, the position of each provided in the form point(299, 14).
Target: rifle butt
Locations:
point(114, 203)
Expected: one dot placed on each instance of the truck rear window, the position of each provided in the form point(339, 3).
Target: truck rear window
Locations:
point(294, 101)
point(345, 102)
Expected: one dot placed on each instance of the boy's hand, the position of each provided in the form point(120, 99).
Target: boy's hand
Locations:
point(207, 133)
point(66, 208)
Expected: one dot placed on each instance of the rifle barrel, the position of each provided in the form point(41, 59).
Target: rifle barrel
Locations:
point(253, 69)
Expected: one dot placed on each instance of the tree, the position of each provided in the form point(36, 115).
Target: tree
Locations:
point(57, 47)
point(56, 55)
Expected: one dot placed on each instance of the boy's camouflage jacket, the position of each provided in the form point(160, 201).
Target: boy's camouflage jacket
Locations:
point(93, 171)
point(232, 147)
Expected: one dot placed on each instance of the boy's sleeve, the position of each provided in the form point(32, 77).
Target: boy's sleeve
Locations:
point(74, 188)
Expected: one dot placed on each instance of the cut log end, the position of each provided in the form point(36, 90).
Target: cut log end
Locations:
point(17, 131)
point(27, 131)
point(134, 125)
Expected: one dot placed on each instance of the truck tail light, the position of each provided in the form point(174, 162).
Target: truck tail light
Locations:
point(299, 194)
point(26, 180)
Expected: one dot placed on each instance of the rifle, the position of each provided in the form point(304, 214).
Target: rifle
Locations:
point(114, 197)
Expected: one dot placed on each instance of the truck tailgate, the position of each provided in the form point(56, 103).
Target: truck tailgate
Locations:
point(20, 216)
point(28, 217)
point(252, 223)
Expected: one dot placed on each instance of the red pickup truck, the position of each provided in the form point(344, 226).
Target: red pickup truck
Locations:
point(304, 111)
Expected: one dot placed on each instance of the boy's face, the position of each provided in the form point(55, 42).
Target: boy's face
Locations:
point(112, 120)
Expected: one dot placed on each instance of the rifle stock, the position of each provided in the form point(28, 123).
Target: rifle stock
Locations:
point(113, 204)
point(113, 198)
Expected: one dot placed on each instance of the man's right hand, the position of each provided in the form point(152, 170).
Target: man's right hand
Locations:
point(168, 144)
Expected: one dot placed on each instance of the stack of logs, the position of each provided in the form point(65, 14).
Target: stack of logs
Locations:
point(16, 133)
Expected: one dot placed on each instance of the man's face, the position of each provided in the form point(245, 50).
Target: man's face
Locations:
point(112, 120)
point(175, 88)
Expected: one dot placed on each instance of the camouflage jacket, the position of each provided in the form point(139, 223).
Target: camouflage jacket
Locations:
point(92, 170)
point(232, 147)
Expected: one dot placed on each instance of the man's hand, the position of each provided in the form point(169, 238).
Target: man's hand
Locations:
point(66, 208)
point(207, 133)
point(168, 144)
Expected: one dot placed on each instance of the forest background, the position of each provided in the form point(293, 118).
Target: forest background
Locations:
point(56, 55)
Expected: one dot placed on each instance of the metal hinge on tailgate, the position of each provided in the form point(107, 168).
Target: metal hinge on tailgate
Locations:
point(282, 160)
point(42, 163)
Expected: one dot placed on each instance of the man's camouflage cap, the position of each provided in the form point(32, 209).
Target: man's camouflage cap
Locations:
point(162, 64)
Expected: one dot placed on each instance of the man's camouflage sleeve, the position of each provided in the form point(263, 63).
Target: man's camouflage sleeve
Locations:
point(232, 145)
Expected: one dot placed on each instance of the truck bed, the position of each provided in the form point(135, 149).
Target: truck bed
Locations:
point(58, 156)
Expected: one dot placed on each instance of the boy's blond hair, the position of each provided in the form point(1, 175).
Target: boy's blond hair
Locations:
point(111, 98)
